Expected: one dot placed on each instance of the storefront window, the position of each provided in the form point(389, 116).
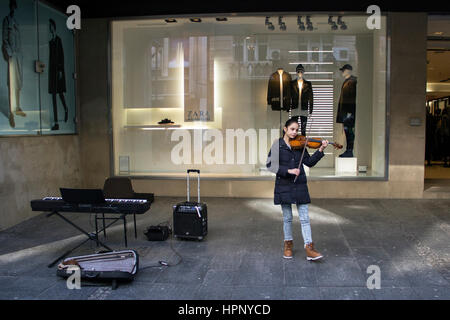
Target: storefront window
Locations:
point(189, 94)
point(37, 85)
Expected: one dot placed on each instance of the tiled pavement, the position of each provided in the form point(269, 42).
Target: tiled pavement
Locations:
point(241, 258)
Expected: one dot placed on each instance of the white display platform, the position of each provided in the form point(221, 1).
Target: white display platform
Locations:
point(346, 166)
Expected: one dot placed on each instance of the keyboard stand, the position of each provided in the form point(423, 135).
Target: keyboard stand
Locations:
point(103, 218)
point(90, 236)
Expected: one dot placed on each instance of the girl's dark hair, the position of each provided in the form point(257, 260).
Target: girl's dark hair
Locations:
point(289, 122)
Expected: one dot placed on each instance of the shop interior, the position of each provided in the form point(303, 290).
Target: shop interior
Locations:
point(437, 153)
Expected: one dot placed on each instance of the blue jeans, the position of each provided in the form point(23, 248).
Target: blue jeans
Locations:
point(304, 221)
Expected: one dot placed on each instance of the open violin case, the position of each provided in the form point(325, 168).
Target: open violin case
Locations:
point(113, 265)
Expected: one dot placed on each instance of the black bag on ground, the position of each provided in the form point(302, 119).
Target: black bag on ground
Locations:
point(157, 233)
point(190, 218)
point(113, 265)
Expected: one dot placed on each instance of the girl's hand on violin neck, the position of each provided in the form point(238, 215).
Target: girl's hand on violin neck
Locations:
point(324, 145)
point(295, 171)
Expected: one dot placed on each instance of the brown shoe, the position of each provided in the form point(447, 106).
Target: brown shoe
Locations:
point(20, 112)
point(312, 254)
point(288, 245)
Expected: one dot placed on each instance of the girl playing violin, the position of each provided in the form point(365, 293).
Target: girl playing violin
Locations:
point(291, 185)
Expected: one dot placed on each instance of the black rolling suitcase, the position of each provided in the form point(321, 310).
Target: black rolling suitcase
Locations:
point(114, 265)
point(190, 218)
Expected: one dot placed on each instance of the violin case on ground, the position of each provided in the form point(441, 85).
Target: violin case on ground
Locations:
point(190, 218)
point(113, 265)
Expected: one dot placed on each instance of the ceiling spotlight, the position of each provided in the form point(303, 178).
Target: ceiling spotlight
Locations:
point(281, 23)
point(330, 20)
point(300, 23)
point(221, 19)
point(309, 24)
point(269, 24)
point(170, 20)
point(332, 23)
point(195, 20)
point(341, 23)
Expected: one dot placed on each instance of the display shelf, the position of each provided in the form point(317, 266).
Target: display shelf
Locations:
point(167, 126)
point(152, 126)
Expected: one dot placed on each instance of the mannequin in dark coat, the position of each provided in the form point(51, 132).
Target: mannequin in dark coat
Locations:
point(56, 74)
point(307, 95)
point(301, 90)
point(347, 100)
point(346, 113)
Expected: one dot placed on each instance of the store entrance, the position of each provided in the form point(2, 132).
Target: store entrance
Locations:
point(437, 140)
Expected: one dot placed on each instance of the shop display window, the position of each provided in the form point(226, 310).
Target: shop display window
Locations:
point(196, 93)
point(37, 83)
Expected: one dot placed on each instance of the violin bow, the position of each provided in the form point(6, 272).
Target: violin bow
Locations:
point(306, 143)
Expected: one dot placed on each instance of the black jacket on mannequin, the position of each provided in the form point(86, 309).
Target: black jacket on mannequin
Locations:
point(273, 91)
point(56, 83)
point(307, 95)
point(347, 100)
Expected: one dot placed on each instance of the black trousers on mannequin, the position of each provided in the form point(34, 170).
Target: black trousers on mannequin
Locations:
point(55, 106)
point(303, 121)
point(349, 129)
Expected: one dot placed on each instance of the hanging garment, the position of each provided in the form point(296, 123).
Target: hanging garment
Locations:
point(279, 91)
point(430, 130)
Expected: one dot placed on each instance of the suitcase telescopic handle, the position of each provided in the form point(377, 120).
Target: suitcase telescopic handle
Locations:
point(198, 184)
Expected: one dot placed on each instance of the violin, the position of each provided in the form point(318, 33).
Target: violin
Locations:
point(299, 142)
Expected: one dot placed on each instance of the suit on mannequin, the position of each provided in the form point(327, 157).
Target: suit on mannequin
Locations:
point(301, 98)
point(346, 113)
point(56, 74)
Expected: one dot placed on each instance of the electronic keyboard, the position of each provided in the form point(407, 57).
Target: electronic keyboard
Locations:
point(121, 206)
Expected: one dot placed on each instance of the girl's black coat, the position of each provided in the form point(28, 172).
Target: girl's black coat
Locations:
point(286, 191)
